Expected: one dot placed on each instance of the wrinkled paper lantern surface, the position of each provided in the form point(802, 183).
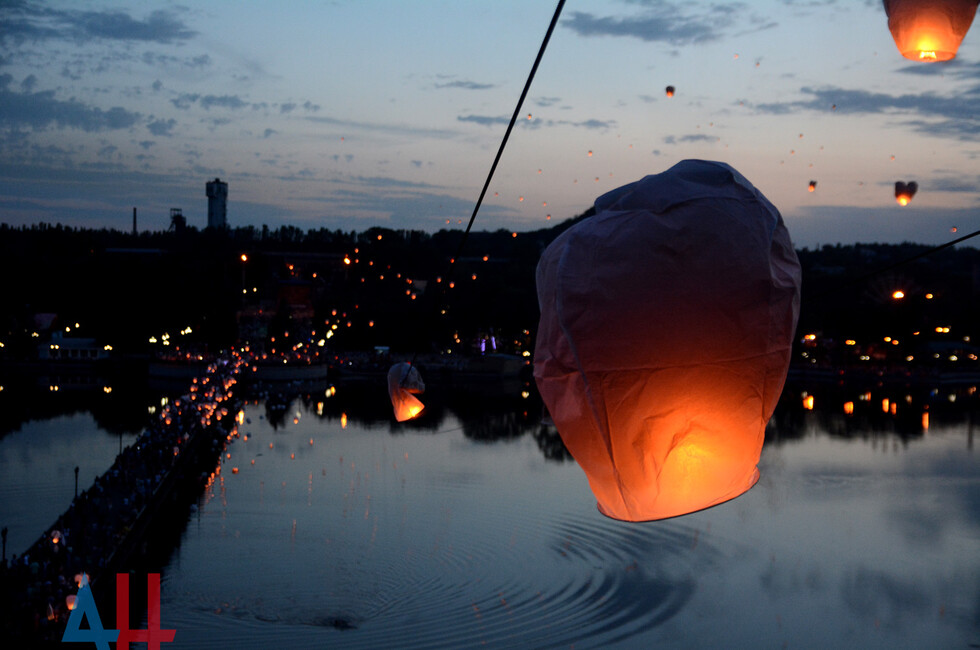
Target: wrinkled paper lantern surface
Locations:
point(929, 30)
point(404, 383)
point(665, 335)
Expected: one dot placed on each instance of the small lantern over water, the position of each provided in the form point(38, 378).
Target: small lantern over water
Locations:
point(404, 383)
point(929, 30)
point(665, 335)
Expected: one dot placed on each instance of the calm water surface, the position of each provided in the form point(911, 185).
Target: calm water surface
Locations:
point(470, 529)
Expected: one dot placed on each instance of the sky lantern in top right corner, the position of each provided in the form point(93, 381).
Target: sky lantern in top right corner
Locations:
point(929, 30)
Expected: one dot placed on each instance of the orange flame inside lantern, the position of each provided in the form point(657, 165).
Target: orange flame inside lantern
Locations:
point(929, 30)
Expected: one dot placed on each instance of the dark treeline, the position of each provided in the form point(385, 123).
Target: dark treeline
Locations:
point(849, 291)
point(393, 285)
point(124, 288)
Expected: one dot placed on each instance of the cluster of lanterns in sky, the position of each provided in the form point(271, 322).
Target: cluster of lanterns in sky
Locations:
point(923, 30)
point(667, 320)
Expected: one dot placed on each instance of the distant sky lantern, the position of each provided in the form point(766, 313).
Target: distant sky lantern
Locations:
point(929, 30)
point(404, 383)
point(905, 191)
point(665, 336)
point(813, 186)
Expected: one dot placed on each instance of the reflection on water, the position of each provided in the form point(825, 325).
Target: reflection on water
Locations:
point(432, 540)
point(341, 528)
point(46, 433)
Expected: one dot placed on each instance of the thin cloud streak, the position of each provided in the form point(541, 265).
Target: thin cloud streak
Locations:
point(465, 85)
point(395, 129)
point(953, 116)
point(663, 22)
point(28, 21)
point(40, 110)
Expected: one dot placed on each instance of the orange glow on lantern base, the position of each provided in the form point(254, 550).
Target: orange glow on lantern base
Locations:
point(404, 383)
point(929, 30)
point(695, 444)
point(407, 407)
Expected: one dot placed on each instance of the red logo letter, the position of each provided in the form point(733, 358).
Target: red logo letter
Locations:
point(152, 635)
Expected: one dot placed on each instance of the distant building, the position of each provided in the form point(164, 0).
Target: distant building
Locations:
point(62, 348)
point(217, 203)
point(177, 221)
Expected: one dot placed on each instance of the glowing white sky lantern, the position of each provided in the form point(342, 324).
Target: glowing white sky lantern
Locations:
point(929, 30)
point(666, 328)
point(404, 383)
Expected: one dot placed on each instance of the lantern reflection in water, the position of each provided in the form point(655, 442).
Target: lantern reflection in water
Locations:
point(404, 383)
point(929, 30)
point(665, 335)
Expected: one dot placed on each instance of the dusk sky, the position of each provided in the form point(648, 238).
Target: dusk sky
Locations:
point(357, 113)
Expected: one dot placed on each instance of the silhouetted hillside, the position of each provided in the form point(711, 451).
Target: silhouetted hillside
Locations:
point(395, 288)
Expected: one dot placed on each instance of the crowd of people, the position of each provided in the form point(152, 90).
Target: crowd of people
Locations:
point(38, 587)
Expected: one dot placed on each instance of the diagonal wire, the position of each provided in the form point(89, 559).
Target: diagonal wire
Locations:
point(500, 151)
point(503, 143)
point(895, 265)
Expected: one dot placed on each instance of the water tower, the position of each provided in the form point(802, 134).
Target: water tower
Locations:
point(217, 203)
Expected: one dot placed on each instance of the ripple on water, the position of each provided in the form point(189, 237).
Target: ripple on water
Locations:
point(583, 580)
